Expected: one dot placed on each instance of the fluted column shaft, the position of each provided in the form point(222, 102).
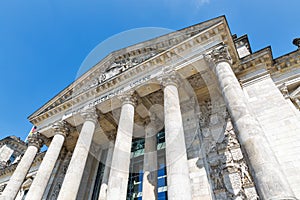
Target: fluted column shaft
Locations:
point(104, 183)
point(119, 172)
point(150, 164)
point(16, 180)
point(269, 178)
point(179, 186)
point(71, 183)
point(40, 182)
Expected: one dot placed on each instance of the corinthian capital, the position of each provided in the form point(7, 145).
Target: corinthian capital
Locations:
point(129, 97)
point(219, 54)
point(61, 128)
point(90, 114)
point(35, 140)
point(170, 78)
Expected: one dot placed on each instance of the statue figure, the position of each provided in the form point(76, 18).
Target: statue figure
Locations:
point(245, 174)
point(217, 177)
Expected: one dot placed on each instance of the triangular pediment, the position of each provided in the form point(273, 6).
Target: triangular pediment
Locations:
point(122, 60)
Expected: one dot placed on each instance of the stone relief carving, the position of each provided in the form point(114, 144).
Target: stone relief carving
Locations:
point(229, 173)
point(61, 175)
point(219, 54)
point(118, 66)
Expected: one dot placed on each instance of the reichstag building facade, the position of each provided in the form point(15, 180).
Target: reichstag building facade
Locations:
point(190, 115)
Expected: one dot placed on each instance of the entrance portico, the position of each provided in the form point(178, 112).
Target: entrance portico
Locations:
point(187, 83)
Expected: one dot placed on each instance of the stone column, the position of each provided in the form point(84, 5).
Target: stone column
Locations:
point(269, 178)
point(179, 186)
point(150, 161)
point(16, 180)
point(103, 188)
point(40, 182)
point(119, 172)
point(71, 183)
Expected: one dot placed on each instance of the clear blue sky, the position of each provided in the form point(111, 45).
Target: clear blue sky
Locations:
point(43, 42)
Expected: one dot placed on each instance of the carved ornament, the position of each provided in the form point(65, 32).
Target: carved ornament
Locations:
point(35, 140)
point(129, 97)
point(61, 128)
point(219, 54)
point(170, 78)
point(90, 114)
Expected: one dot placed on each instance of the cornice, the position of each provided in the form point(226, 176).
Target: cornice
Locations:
point(262, 58)
point(287, 61)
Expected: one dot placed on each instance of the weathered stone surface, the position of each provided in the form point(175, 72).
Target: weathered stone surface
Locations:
point(280, 122)
point(119, 172)
point(71, 183)
point(16, 180)
point(270, 180)
point(179, 186)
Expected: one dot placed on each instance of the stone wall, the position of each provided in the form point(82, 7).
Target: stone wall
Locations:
point(279, 119)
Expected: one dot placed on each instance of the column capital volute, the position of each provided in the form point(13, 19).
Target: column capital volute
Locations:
point(90, 114)
point(61, 128)
point(170, 77)
point(129, 97)
point(35, 140)
point(218, 55)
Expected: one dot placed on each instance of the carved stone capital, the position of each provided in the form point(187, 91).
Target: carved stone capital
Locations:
point(90, 114)
point(170, 78)
point(219, 54)
point(129, 97)
point(61, 128)
point(35, 140)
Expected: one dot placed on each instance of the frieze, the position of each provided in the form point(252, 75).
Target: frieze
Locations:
point(109, 95)
point(120, 66)
point(117, 67)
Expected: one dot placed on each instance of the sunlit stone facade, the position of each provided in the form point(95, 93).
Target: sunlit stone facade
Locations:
point(194, 114)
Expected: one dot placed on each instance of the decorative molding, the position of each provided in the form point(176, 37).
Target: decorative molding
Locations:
point(170, 77)
point(90, 114)
point(129, 97)
point(119, 66)
point(219, 54)
point(35, 140)
point(61, 128)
